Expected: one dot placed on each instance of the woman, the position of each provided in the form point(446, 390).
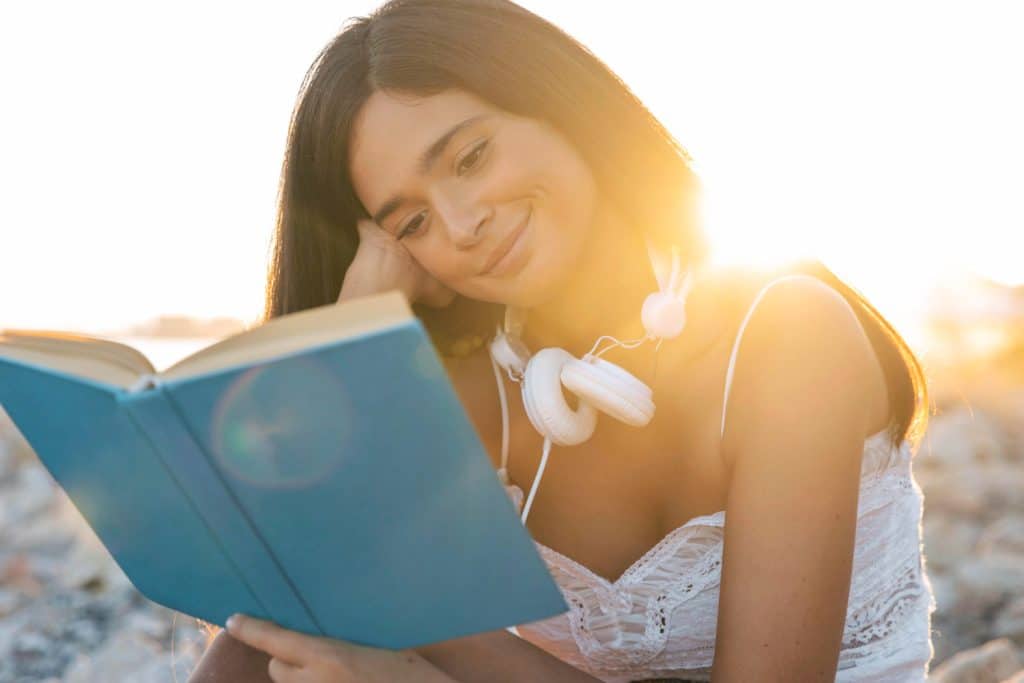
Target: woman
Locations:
point(425, 136)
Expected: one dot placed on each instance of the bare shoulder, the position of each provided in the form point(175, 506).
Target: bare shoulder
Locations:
point(803, 353)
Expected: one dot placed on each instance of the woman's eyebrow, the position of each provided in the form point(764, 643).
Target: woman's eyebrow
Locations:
point(426, 162)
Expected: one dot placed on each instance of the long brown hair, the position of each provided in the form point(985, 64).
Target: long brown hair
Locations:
point(525, 65)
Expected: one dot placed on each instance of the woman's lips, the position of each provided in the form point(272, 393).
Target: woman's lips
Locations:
point(510, 255)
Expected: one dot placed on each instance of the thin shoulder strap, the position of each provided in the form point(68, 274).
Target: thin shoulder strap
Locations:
point(736, 344)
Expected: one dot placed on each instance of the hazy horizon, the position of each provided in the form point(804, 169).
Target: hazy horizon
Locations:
point(143, 169)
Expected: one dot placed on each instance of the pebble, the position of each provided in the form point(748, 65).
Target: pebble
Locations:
point(993, 662)
point(1009, 622)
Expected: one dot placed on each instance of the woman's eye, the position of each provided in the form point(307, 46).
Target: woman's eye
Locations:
point(411, 227)
point(473, 156)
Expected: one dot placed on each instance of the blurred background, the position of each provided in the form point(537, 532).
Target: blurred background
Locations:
point(141, 150)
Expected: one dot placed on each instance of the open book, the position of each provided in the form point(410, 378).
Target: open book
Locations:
point(318, 471)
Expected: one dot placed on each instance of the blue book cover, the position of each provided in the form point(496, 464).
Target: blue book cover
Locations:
point(317, 471)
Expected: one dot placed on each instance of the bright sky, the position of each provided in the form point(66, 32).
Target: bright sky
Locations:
point(140, 144)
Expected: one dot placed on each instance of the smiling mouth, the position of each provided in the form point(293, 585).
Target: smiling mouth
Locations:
point(502, 251)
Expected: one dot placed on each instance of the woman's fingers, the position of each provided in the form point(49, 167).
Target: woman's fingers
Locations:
point(290, 646)
point(281, 671)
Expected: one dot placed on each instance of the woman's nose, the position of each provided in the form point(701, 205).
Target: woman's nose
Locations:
point(464, 219)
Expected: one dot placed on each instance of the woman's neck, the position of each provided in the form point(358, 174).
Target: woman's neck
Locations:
point(603, 296)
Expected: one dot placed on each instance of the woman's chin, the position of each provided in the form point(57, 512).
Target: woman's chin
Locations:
point(534, 285)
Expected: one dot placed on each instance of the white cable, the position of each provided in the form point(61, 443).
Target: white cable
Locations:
point(629, 344)
point(536, 479)
point(503, 472)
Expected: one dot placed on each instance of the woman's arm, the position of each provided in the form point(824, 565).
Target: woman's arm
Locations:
point(805, 385)
point(494, 656)
point(228, 659)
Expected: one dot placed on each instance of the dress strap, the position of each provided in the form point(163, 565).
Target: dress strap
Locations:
point(736, 344)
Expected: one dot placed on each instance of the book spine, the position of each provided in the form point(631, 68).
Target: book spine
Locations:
point(146, 381)
point(151, 407)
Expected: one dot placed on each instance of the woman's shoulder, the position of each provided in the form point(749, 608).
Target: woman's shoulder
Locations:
point(727, 296)
point(715, 308)
point(734, 286)
point(757, 314)
point(785, 305)
point(793, 334)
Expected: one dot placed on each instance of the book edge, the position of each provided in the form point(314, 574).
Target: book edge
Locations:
point(309, 328)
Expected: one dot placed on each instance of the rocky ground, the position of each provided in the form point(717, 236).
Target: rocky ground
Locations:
point(67, 612)
point(971, 469)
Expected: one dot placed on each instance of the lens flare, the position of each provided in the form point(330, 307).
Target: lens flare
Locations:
point(311, 416)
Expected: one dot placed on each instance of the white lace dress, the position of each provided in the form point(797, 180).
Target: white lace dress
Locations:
point(658, 619)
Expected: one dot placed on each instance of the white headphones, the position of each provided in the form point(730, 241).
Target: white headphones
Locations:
point(597, 383)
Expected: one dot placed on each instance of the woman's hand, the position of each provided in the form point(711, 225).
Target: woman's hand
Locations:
point(300, 658)
point(381, 263)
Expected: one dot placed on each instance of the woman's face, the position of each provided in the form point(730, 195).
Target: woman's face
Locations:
point(487, 175)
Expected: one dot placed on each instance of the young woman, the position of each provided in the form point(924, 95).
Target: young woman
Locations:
point(431, 136)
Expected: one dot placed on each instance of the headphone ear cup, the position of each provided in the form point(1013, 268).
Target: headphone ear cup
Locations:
point(611, 389)
point(663, 314)
point(545, 404)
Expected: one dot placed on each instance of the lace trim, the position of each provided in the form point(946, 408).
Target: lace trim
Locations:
point(660, 609)
point(872, 632)
point(620, 627)
point(879, 618)
point(621, 654)
point(877, 489)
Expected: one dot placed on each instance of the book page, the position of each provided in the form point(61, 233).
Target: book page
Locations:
point(76, 354)
point(121, 365)
point(295, 331)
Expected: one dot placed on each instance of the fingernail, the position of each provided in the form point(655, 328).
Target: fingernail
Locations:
point(232, 622)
